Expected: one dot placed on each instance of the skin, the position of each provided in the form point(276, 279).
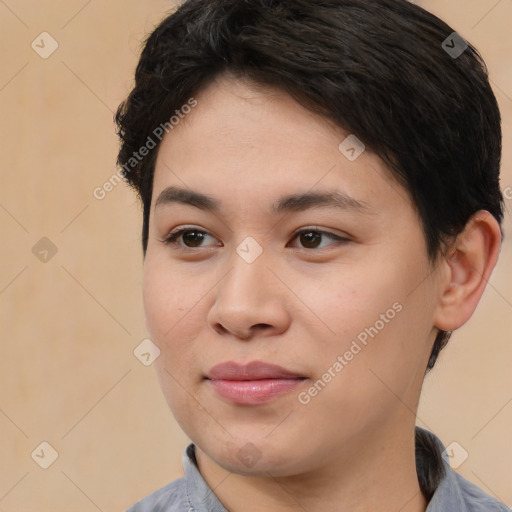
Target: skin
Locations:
point(299, 304)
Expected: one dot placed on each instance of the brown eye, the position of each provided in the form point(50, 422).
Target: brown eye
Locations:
point(311, 238)
point(192, 238)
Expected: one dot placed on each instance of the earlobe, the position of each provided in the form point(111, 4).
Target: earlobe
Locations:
point(468, 267)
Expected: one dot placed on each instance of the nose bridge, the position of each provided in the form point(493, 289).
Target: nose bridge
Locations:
point(248, 295)
point(249, 273)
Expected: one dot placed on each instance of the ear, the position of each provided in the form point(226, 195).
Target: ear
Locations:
point(466, 270)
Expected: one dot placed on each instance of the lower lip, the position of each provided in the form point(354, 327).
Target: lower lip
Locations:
point(253, 392)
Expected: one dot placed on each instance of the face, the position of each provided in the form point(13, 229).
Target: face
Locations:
point(338, 294)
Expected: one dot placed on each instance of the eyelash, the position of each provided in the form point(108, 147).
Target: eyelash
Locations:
point(172, 238)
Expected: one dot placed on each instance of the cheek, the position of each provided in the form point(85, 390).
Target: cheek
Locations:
point(172, 322)
point(353, 299)
point(165, 298)
point(175, 317)
point(374, 318)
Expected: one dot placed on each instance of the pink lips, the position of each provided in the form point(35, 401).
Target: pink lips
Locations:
point(252, 384)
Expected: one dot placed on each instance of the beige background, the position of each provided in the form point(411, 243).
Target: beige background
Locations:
point(68, 374)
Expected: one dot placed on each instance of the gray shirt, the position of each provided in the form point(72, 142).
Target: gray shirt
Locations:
point(192, 494)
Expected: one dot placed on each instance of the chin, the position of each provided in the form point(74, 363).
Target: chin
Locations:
point(258, 457)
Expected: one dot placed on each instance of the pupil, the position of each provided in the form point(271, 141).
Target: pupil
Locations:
point(192, 234)
point(309, 236)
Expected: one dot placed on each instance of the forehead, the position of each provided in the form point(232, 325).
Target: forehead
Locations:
point(249, 142)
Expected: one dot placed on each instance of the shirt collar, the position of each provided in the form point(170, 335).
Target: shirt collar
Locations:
point(447, 495)
point(199, 495)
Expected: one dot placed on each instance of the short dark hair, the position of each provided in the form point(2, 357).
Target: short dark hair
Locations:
point(378, 69)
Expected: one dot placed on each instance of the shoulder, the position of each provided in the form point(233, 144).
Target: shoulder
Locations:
point(475, 499)
point(445, 489)
point(171, 498)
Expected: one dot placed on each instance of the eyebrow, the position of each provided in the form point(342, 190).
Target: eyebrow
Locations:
point(287, 203)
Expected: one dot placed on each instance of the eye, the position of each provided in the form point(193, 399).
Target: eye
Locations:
point(311, 236)
point(192, 238)
point(190, 235)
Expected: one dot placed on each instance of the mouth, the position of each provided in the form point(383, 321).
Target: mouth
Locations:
point(254, 383)
point(255, 370)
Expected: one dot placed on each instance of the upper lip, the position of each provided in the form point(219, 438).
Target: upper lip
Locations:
point(254, 370)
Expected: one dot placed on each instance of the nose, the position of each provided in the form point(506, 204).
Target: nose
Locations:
point(251, 300)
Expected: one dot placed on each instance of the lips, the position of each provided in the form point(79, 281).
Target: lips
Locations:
point(255, 370)
point(253, 383)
